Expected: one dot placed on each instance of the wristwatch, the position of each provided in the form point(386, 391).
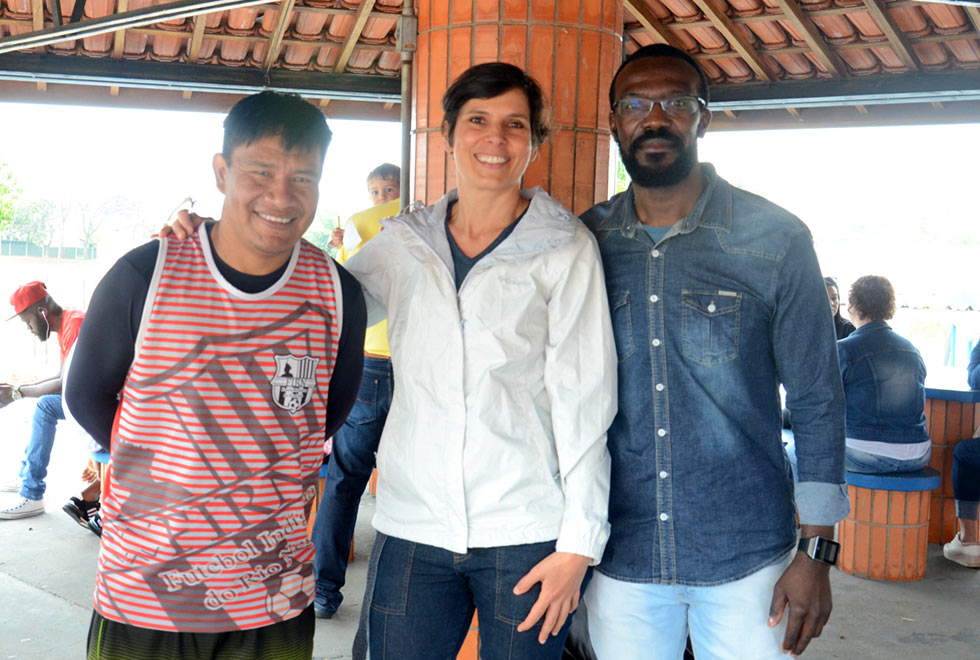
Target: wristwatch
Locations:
point(821, 549)
point(17, 395)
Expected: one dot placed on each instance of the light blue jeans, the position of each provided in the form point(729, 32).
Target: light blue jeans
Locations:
point(726, 621)
point(37, 454)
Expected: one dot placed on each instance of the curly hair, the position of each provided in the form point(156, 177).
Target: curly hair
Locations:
point(874, 297)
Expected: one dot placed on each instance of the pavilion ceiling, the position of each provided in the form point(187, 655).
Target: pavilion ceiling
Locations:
point(771, 63)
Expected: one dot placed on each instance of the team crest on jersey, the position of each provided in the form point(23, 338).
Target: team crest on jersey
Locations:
point(294, 382)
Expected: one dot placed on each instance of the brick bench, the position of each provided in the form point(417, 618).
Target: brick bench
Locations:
point(886, 534)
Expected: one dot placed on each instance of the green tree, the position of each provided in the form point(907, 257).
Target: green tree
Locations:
point(33, 222)
point(319, 232)
point(9, 192)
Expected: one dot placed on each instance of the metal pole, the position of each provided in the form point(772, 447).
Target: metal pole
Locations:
point(407, 42)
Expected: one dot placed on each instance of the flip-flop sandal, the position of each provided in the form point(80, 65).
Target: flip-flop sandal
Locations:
point(81, 511)
point(95, 525)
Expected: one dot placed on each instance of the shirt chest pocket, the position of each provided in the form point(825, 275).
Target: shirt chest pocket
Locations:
point(711, 326)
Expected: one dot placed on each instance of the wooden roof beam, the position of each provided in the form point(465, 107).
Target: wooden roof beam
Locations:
point(813, 37)
point(278, 32)
point(747, 51)
point(973, 13)
point(660, 32)
point(363, 13)
point(896, 39)
point(119, 36)
point(197, 37)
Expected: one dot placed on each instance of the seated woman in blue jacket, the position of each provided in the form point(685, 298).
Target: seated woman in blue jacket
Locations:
point(884, 386)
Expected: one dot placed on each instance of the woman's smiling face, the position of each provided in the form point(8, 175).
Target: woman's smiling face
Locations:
point(491, 142)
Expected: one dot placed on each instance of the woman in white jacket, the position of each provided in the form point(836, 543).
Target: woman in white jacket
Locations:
point(494, 469)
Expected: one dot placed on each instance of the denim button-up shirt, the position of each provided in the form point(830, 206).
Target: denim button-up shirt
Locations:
point(708, 322)
point(884, 385)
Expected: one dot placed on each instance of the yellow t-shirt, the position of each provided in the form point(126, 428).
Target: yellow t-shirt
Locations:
point(367, 223)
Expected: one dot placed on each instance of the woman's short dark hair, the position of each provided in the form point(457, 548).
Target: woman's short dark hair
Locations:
point(299, 123)
point(486, 81)
point(874, 297)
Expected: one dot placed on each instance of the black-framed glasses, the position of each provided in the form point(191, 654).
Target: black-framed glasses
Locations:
point(634, 107)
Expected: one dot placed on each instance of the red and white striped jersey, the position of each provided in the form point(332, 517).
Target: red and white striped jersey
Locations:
point(217, 445)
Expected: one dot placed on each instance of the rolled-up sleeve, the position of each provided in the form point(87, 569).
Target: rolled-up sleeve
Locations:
point(580, 377)
point(806, 355)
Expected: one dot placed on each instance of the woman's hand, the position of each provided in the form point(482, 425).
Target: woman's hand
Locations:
point(185, 225)
point(560, 575)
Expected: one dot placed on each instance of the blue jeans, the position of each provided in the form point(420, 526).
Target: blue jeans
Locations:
point(424, 598)
point(34, 467)
point(966, 478)
point(861, 461)
point(348, 472)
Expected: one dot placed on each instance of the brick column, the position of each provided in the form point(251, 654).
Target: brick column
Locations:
point(571, 48)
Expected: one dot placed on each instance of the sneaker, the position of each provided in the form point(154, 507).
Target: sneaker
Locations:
point(10, 486)
point(95, 524)
point(81, 511)
point(323, 609)
point(24, 508)
point(965, 554)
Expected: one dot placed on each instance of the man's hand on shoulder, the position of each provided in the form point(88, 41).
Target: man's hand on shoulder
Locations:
point(805, 588)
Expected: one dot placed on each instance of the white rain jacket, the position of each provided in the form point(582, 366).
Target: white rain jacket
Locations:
point(496, 434)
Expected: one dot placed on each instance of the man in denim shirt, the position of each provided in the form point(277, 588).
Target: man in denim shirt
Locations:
point(716, 298)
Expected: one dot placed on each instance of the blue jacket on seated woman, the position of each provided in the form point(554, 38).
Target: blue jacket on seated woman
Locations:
point(884, 385)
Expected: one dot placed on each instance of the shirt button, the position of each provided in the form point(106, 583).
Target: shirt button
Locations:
point(663, 474)
point(711, 307)
point(655, 253)
point(660, 387)
point(664, 517)
point(654, 298)
point(656, 342)
point(661, 432)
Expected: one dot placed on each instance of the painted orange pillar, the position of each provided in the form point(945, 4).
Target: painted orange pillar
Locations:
point(571, 48)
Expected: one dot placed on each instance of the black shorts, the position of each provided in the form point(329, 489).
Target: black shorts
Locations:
point(286, 640)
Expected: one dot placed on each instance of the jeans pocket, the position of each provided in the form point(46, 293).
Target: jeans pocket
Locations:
point(393, 577)
point(513, 563)
point(365, 410)
point(710, 326)
point(622, 321)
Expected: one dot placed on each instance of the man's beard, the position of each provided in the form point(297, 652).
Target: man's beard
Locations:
point(658, 176)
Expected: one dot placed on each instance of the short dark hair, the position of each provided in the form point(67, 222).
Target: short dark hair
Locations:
point(300, 124)
point(486, 81)
point(661, 50)
point(874, 297)
point(385, 171)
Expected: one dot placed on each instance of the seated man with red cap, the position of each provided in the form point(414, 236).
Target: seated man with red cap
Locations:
point(43, 315)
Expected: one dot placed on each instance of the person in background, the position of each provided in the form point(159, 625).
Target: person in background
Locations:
point(384, 186)
point(213, 369)
point(494, 469)
point(884, 386)
point(355, 444)
point(973, 370)
point(716, 298)
point(842, 327)
point(42, 315)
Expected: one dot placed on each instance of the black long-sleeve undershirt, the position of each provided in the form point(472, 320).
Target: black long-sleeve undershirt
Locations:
point(105, 348)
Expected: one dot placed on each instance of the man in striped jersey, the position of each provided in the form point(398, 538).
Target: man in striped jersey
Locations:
point(213, 368)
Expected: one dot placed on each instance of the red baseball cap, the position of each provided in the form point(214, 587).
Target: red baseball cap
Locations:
point(26, 296)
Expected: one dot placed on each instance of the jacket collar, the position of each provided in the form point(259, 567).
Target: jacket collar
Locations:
point(871, 327)
point(713, 209)
point(545, 226)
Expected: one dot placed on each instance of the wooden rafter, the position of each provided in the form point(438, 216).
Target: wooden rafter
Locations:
point(656, 29)
point(973, 13)
point(747, 51)
point(813, 37)
point(37, 18)
point(275, 41)
point(197, 37)
point(363, 13)
point(119, 36)
point(897, 40)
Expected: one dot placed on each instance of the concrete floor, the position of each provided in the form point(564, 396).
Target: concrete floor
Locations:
point(47, 566)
